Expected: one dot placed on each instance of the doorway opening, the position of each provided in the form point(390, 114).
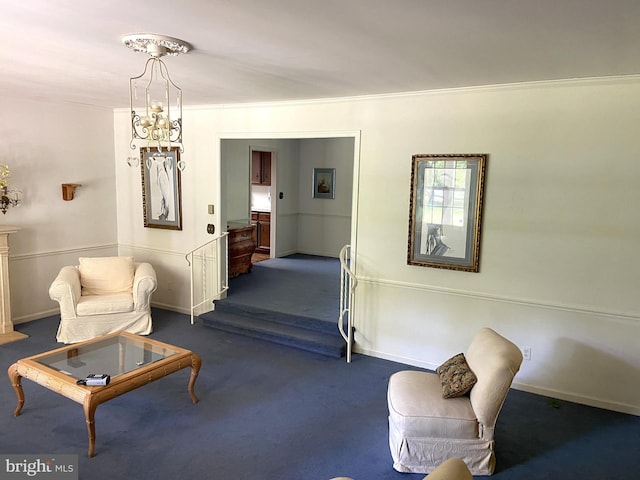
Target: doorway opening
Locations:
point(262, 170)
point(297, 291)
point(298, 222)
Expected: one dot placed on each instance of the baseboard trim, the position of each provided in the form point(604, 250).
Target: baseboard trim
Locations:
point(171, 308)
point(393, 358)
point(36, 316)
point(56, 311)
point(318, 253)
point(581, 399)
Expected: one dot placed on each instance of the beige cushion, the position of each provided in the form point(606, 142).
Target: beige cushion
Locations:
point(456, 377)
point(106, 275)
point(451, 469)
point(104, 304)
point(417, 408)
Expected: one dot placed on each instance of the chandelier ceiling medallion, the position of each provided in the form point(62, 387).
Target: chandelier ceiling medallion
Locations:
point(155, 101)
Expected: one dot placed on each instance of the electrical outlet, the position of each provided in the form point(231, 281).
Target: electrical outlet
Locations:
point(526, 353)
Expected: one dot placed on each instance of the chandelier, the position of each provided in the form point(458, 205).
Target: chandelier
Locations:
point(8, 197)
point(155, 101)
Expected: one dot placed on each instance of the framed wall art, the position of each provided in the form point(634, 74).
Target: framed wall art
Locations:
point(324, 182)
point(445, 211)
point(161, 191)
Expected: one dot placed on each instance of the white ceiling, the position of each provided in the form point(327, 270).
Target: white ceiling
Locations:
point(271, 50)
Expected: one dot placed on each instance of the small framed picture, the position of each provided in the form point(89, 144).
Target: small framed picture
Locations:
point(161, 194)
point(324, 182)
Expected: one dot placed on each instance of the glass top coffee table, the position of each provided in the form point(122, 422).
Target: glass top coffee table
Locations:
point(131, 361)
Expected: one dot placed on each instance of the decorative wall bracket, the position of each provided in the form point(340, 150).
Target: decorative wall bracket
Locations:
point(69, 190)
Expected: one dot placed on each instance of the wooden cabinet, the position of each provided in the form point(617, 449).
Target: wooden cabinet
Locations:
point(241, 247)
point(260, 168)
point(254, 222)
point(262, 232)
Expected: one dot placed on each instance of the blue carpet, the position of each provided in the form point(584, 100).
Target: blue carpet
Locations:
point(303, 285)
point(292, 300)
point(275, 413)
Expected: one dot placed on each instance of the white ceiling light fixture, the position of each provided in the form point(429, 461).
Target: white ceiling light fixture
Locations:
point(155, 101)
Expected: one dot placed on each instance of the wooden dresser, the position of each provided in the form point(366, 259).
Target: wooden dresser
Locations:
point(241, 247)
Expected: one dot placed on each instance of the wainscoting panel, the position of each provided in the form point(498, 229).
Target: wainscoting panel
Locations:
point(172, 270)
point(576, 355)
point(32, 274)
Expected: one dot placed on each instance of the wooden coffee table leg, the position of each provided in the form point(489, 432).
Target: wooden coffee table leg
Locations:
point(90, 406)
point(16, 383)
point(196, 362)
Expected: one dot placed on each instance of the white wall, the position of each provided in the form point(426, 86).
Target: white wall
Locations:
point(236, 184)
point(558, 263)
point(45, 145)
point(325, 224)
point(558, 266)
point(286, 212)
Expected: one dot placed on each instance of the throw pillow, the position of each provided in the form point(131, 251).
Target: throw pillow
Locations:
point(106, 275)
point(456, 376)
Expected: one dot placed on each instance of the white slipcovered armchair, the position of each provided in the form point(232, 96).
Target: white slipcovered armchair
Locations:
point(103, 295)
point(425, 428)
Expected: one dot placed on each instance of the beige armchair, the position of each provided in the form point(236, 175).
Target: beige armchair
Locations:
point(425, 428)
point(103, 295)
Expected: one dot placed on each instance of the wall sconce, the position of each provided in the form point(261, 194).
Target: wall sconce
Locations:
point(8, 197)
point(69, 190)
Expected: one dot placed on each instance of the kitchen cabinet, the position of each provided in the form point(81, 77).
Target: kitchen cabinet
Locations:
point(262, 222)
point(260, 168)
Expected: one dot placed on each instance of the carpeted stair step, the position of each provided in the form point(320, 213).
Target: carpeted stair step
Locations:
point(331, 345)
point(286, 318)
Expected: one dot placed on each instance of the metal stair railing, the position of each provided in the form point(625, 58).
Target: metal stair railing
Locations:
point(205, 266)
point(348, 282)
